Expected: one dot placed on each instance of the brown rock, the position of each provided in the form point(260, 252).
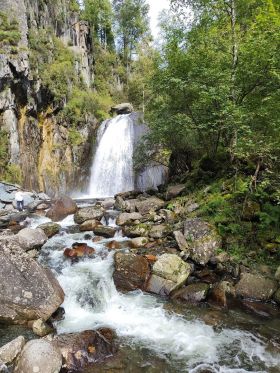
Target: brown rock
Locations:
point(81, 349)
point(220, 292)
point(131, 271)
point(89, 225)
point(255, 287)
point(193, 293)
point(174, 191)
point(61, 208)
point(79, 250)
point(128, 218)
point(105, 231)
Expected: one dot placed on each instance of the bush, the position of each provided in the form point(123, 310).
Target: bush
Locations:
point(9, 32)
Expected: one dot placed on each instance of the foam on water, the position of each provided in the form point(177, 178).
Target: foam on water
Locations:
point(92, 301)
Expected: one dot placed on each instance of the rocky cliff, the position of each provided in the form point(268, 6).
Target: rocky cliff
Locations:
point(45, 56)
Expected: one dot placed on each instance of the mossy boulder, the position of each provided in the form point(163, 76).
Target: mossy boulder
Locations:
point(203, 240)
point(50, 229)
point(138, 230)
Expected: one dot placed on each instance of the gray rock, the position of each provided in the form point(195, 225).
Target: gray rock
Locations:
point(174, 191)
point(10, 351)
point(149, 204)
point(128, 218)
point(12, 216)
point(28, 291)
point(139, 230)
point(124, 108)
point(29, 238)
point(159, 231)
point(203, 240)
point(159, 285)
point(194, 293)
point(139, 242)
point(39, 356)
point(255, 287)
point(192, 207)
point(172, 267)
point(108, 203)
point(43, 197)
point(88, 213)
point(181, 241)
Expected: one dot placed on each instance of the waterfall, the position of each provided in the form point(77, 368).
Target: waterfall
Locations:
point(112, 169)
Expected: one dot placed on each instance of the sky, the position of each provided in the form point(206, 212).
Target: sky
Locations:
point(156, 6)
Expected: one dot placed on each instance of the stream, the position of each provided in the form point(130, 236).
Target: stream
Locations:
point(155, 335)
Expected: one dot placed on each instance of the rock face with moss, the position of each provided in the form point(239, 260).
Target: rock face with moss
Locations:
point(45, 73)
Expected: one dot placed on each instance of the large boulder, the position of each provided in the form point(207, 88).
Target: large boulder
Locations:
point(131, 271)
point(203, 240)
point(255, 287)
point(124, 108)
point(149, 205)
point(88, 213)
point(128, 218)
point(173, 268)
point(89, 225)
point(159, 231)
point(81, 349)
point(61, 208)
point(29, 238)
point(174, 191)
point(11, 350)
point(39, 356)
point(28, 291)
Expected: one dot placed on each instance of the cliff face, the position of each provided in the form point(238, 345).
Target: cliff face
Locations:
point(44, 149)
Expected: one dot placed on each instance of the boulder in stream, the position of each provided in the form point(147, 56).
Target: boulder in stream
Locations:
point(29, 238)
point(104, 231)
point(50, 229)
point(89, 225)
point(255, 287)
point(28, 291)
point(88, 213)
point(81, 349)
point(61, 208)
point(193, 293)
point(131, 271)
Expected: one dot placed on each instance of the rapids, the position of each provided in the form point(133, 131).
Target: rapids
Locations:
point(144, 322)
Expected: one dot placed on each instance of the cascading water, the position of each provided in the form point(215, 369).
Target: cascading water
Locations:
point(185, 343)
point(112, 169)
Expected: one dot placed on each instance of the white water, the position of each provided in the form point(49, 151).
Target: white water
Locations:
point(112, 169)
point(92, 301)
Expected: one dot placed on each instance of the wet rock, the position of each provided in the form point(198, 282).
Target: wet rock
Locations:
point(89, 225)
point(28, 291)
point(220, 292)
point(174, 191)
point(12, 216)
point(10, 351)
point(128, 218)
point(181, 241)
point(79, 250)
point(50, 229)
point(88, 213)
point(159, 231)
point(139, 242)
point(261, 309)
point(97, 239)
point(131, 271)
point(113, 245)
point(193, 293)
point(159, 285)
point(104, 231)
point(108, 203)
point(120, 204)
point(41, 328)
point(39, 356)
point(149, 205)
point(29, 238)
point(203, 240)
point(255, 286)
point(172, 267)
point(124, 108)
point(133, 231)
point(61, 208)
point(80, 349)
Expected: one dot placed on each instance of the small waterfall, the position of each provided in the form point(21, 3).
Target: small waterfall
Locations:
point(112, 169)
